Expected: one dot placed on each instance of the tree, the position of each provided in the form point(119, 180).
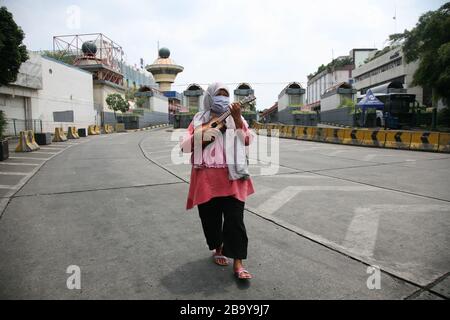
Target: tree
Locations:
point(12, 52)
point(117, 103)
point(429, 42)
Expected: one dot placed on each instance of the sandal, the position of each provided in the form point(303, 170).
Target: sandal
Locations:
point(218, 257)
point(240, 274)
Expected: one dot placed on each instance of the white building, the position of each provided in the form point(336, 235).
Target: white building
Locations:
point(48, 94)
point(291, 96)
point(340, 72)
point(193, 97)
point(388, 67)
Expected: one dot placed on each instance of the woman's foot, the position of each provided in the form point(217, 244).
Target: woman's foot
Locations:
point(239, 271)
point(219, 258)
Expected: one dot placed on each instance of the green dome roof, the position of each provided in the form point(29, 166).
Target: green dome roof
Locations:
point(164, 53)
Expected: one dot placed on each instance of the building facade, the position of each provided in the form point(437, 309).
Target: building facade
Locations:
point(388, 67)
point(338, 71)
point(48, 94)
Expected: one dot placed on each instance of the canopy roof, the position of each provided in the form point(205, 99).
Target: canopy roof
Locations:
point(370, 101)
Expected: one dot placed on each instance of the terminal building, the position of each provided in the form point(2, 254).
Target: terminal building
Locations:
point(338, 71)
point(390, 66)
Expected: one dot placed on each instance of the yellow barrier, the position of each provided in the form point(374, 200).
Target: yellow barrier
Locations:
point(91, 130)
point(374, 138)
point(27, 142)
point(287, 131)
point(398, 139)
point(353, 136)
point(424, 140)
point(444, 142)
point(97, 129)
point(273, 130)
point(72, 133)
point(319, 134)
point(334, 135)
point(120, 127)
point(59, 135)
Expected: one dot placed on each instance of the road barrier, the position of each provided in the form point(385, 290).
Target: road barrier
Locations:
point(72, 133)
point(374, 138)
point(107, 128)
point(91, 130)
point(120, 127)
point(287, 131)
point(97, 129)
point(304, 133)
point(27, 142)
point(444, 142)
point(398, 139)
point(334, 135)
point(353, 136)
point(59, 135)
point(425, 140)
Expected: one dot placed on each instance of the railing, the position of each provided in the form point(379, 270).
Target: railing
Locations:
point(14, 126)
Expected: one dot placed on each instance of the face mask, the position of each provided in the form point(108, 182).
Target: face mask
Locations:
point(220, 104)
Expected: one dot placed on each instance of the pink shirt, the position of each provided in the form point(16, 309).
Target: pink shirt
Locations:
point(207, 183)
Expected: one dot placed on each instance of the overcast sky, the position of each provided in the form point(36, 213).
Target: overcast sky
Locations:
point(257, 41)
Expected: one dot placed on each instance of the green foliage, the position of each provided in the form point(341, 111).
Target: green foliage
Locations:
point(3, 124)
point(347, 102)
point(12, 52)
point(129, 94)
point(429, 42)
point(60, 56)
point(117, 103)
point(386, 49)
point(140, 101)
point(336, 63)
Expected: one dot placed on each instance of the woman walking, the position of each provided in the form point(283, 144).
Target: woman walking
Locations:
point(220, 183)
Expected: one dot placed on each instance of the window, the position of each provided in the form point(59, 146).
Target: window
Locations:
point(295, 99)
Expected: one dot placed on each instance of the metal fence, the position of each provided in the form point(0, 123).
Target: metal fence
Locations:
point(14, 126)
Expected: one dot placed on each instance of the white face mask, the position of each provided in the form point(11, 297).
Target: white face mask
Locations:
point(220, 104)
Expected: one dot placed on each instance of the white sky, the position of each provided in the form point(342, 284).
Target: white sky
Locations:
point(256, 41)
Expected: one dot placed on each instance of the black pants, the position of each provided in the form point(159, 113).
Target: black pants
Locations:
point(232, 233)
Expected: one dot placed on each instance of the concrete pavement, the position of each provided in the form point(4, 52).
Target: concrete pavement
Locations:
point(114, 205)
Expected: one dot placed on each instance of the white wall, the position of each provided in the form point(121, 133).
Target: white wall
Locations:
point(159, 104)
point(64, 88)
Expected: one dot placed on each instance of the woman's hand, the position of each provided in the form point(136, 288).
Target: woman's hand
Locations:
point(236, 114)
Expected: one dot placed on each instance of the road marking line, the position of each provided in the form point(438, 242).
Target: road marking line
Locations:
point(30, 158)
point(2, 186)
point(362, 232)
point(14, 173)
point(279, 199)
point(43, 152)
point(19, 164)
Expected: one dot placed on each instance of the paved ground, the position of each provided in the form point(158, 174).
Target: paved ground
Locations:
point(114, 205)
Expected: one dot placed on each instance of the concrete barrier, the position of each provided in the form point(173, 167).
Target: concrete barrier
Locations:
point(353, 136)
point(334, 135)
point(374, 138)
point(72, 133)
point(97, 129)
point(59, 135)
point(444, 142)
point(319, 134)
point(92, 130)
point(287, 131)
point(120, 127)
point(398, 139)
point(27, 142)
point(425, 140)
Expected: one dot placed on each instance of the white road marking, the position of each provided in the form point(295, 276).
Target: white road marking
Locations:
point(3, 186)
point(14, 173)
point(18, 164)
point(30, 158)
point(43, 152)
point(279, 199)
point(362, 232)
